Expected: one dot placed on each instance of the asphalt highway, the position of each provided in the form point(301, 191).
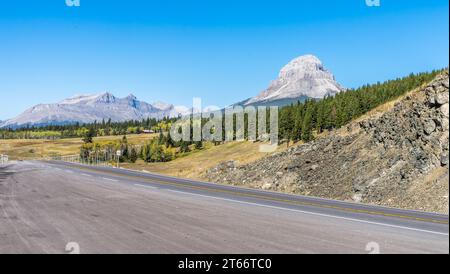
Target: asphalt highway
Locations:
point(44, 206)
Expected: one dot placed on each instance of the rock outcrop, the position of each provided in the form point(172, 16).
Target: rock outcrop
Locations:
point(398, 159)
point(303, 77)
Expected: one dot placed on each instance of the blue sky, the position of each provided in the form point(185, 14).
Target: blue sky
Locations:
point(222, 51)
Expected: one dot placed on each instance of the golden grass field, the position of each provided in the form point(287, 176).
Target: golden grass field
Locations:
point(21, 149)
point(195, 163)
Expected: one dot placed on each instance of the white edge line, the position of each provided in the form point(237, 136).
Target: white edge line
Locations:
point(87, 175)
point(311, 213)
point(145, 186)
point(112, 180)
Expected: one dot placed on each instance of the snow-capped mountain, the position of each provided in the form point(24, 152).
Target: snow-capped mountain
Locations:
point(304, 77)
point(90, 108)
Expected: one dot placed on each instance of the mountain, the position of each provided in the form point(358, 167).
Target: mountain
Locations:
point(302, 78)
point(90, 108)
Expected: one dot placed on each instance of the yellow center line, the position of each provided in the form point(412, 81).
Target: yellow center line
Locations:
point(248, 195)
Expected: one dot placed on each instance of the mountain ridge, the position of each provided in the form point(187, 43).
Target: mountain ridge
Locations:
point(91, 108)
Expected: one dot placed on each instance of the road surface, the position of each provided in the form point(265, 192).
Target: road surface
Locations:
point(46, 205)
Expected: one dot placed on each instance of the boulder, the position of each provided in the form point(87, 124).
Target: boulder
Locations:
point(441, 98)
point(444, 159)
point(444, 110)
point(429, 126)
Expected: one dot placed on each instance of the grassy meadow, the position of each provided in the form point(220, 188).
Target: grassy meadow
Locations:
point(31, 149)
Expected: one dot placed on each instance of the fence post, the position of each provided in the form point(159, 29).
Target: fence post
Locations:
point(4, 159)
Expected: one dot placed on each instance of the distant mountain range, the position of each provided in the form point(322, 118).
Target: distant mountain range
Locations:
point(302, 78)
point(91, 108)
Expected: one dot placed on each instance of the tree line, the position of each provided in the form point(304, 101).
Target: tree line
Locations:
point(79, 130)
point(160, 149)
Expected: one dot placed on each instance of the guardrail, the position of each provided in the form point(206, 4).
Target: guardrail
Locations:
point(4, 159)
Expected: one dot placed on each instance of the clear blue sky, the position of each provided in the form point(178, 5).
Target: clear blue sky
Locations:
point(221, 50)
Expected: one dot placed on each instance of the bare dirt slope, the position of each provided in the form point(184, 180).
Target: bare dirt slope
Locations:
point(398, 158)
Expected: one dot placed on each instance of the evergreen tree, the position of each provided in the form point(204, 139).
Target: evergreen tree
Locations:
point(169, 140)
point(88, 138)
point(307, 126)
point(133, 155)
point(184, 147)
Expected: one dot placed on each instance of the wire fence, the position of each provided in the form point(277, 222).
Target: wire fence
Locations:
point(93, 160)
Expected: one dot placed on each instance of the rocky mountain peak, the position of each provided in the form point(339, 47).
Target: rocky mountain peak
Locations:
point(106, 98)
point(302, 64)
point(132, 100)
point(304, 76)
point(131, 97)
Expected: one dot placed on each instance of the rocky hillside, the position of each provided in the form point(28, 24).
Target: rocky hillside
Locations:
point(399, 158)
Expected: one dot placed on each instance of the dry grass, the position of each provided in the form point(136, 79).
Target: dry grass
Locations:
point(36, 149)
point(194, 164)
